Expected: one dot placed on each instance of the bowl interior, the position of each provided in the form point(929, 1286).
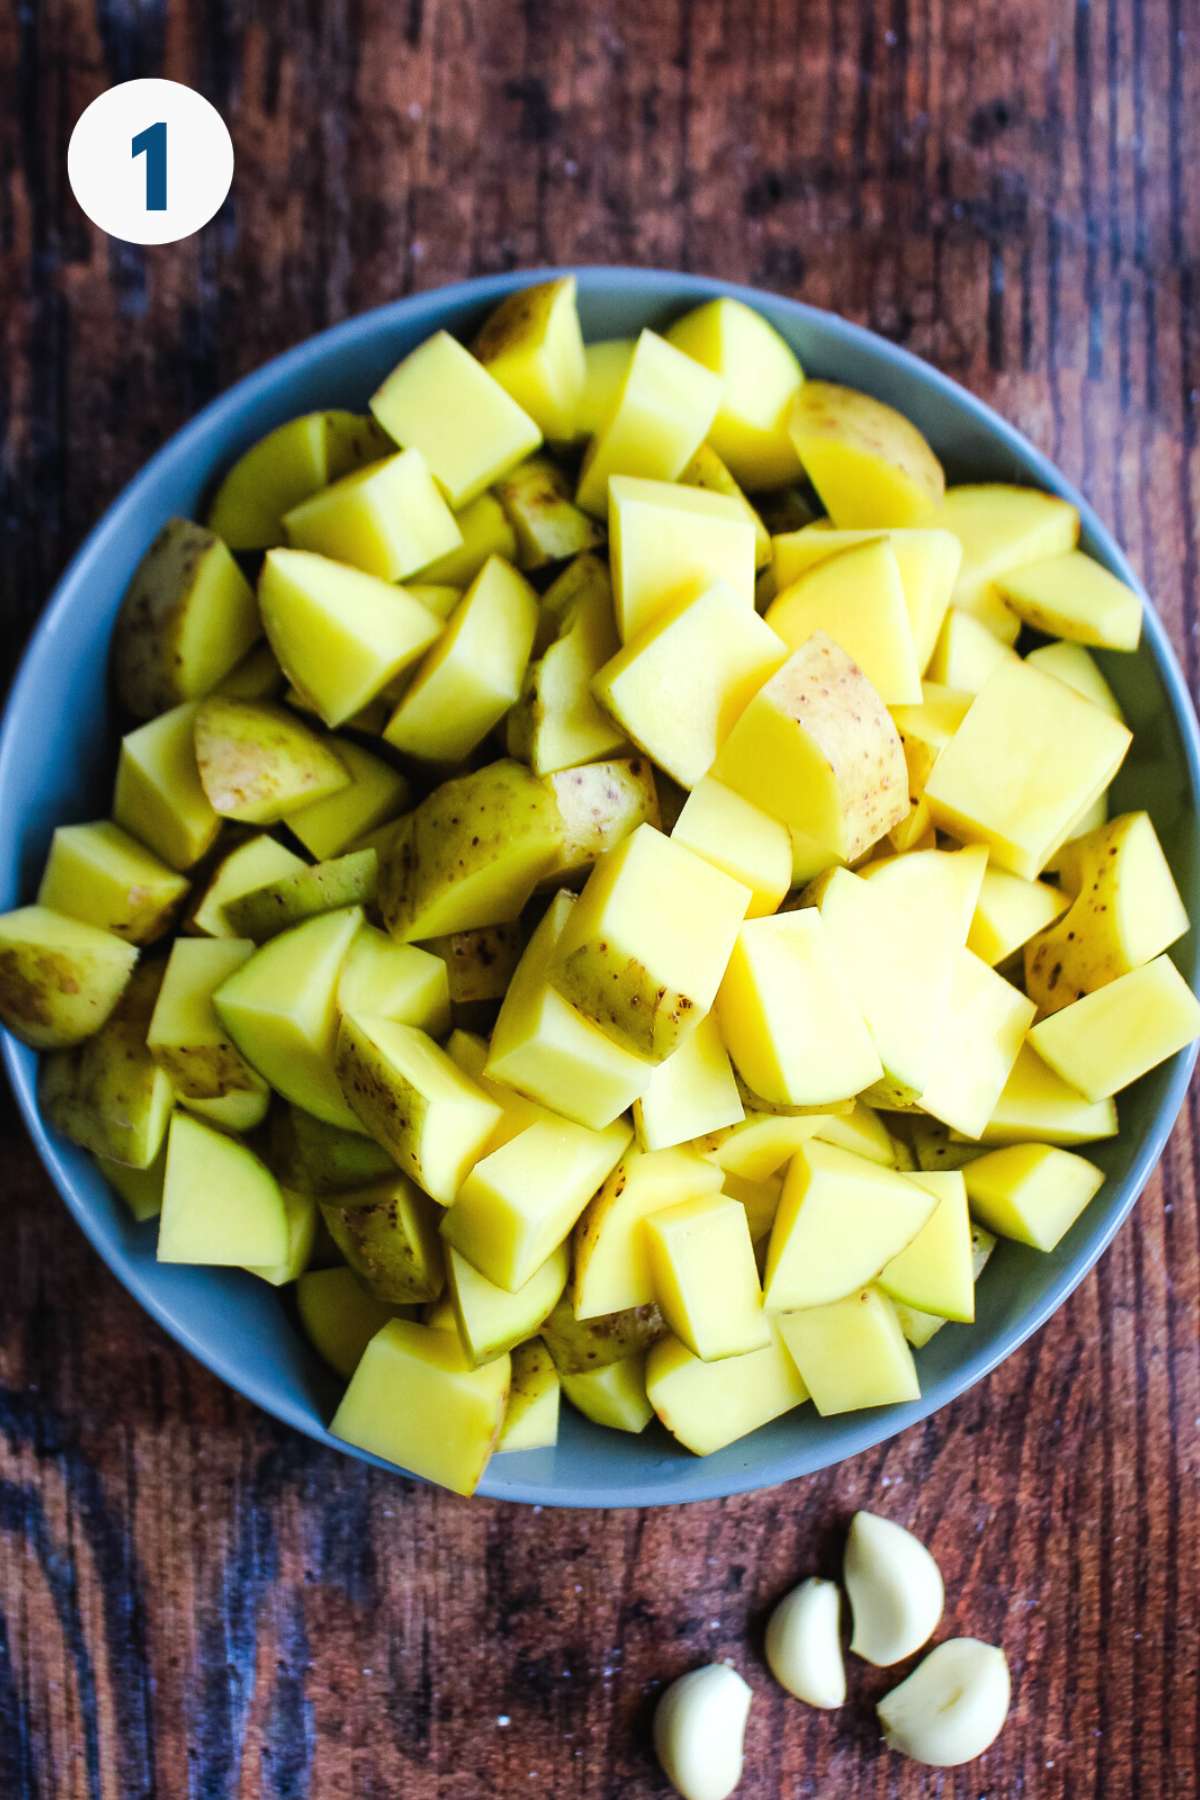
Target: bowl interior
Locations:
point(235, 1324)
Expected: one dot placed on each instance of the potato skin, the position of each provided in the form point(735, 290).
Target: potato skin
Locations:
point(186, 574)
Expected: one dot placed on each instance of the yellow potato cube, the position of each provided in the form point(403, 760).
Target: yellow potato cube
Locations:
point(1109, 1038)
point(919, 1327)
point(220, 1205)
point(862, 1131)
point(490, 1319)
point(1075, 597)
point(605, 366)
point(544, 1047)
point(301, 1214)
point(612, 1257)
point(669, 543)
point(841, 1220)
point(388, 519)
point(533, 346)
point(928, 561)
point(99, 874)
point(661, 415)
point(257, 677)
point(473, 674)
point(691, 1093)
point(340, 635)
point(394, 981)
point(485, 530)
point(925, 730)
point(760, 376)
point(935, 1273)
point(758, 1147)
point(759, 1201)
point(184, 1036)
point(550, 528)
point(557, 723)
point(1079, 669)
point(789, 1017)
point(388, 1234)
point(705, 1278)
point(967, 654)
point(159, 797)
point(267, 480)
point(531, 1418)
point(852, 1354)
point(339, 1317)
point(520, 1202)
point(740, 839)
point(1031, 1192)
point(250, 865)
point(599, 805)
point(377, 793)
point(1012, 910)
point(1028, 757)
point(441, 401)
point(1035, 1103)
point(613, 1395)
point(140, 1189)
point(707, 1405)
point(817, 749)
point(643, 950)
point(1126, 911)
point(1000, 528)
point(983, 1029)
point(857, 599)
point(415, 1400)
point(678, 687)
point(707, 471)
point(869, 464)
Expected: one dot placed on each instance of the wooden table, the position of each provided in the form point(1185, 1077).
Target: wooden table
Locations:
point(197, 1603)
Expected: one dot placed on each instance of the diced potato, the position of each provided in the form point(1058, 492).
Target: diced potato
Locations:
point(705, 1278)
point(679, 686)
point(395, 981)
point(762, 1143)
point(300, 1211)
point(280, 1009)
point(241, 1110)
point(611, 1253)
point(967, 654)
point(852, 1354)
point(693, 1092)
point(258, 762)
point(470, 1052)
point(478, 964)
point(442, 401)
point(389, 1236)
point(1080, 670)
point(549, 526)
point(486, 531)
point(1012, 910)
point(108, 1095)
point(221, 1205)
point(533, 346)
point(1031, 1192)
point(862, 1131)
point(415, 1400)
point(430, 1117)
point(1126, 911)
point(578, 1345)
point(187, 618)
point(350, 880)
point(376, 794)
point(473, 674)
point(545, 1048)
point(352, 440)
point(320, 1159)
point(185, 1036)
point(934, 1273)
point(531, 1419)
point(99, 874)
point(257, 677)
point(369, 719)
point(707, 1405)
point(660, 417)
point(643, 951)
point(1027, 758)
point(471, 854)
point(920, 1327)
point(267, 480)
point(669, 543)
point(1083, 825)
point(707, 471)
point(1111, 1037)
point(339, 1317)
point(816, 749)
point(869, 464)
point(935, 1146)
point(520, 1202)
point(1000, 528)
point(60, 977)
point(759, 1201)
point(760, 376)
point(915, 832)
point(388, 520)
point(159, 797)
point(140, 1189)
point(613, 1396)
point(441, 597)
point(1074, 597)
point(857, 599)
point(605, 366)
point(925, 730)
point(599, 805)
point(740, 839)
point(928, 561)
point(788, 1016)
point(985, 1025)
point(1035, 1103)
point(490, 1319)
point(841, 1220)
point(557, 723)
point(249, 865)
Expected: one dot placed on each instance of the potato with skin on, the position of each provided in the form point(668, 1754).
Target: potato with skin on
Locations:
point(579, 1345)
point(1012, 910)
point(388, 1235)
point(377, 794)
point(1080, 670)
point(671, 542)
point(967, 654)
point(857, 599)
point(1002, 527)
point(605, 366)
point(549, 527)
point(642, 952)
point(707, 471)
point(60, 977)
point(928, 560)
point(1074, 597)
point(531, 1419)
point(339, 1317)
point(611, 1254)
point(533, 346)
point(101, 875)
point(473, 674)
point(108, 1094)
point(257, 677)
point(817, 749)
point(185, 1037)
point(158, 797)
point(352, 440)
point(221, 1204)
point(739, 839)
point(479, 964)
point(305, 1153)
point(662, 414)
point(188, 617)
point(491, 1320)
point(557, 723)
point(350, 880)
point(486, 531)
point(258, 762)
point(1031, 1192)
point(760, 376)
point(613, 1396)
point(599, 805)
point(693, 1092)
point(707, 1405)
point(678, 687)
point(1126, 911)
point(869, 464)
point(388, 519)
point(415, 1400)
point(841, 1220)
point(267, 480)
point(705, 1278)
point(250, 864)
point(1105, 1041)
point(852, 1353)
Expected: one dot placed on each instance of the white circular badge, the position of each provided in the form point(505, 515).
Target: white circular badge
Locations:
point(150, 161)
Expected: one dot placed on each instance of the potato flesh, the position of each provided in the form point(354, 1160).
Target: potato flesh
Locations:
point(221, 1205)
point(1000, 528)
point(1109, 1038)
point(395, 981)
point(300, 1214)
point(707, 1405)
point(531, 1418)
point(533, 346)
point(490, 1319)
point(670, 542)
point(249, 865)
point(661, 416)
point(557, 723)
point(101, 875)
point(350, 880)
point(1075, 597)
point(707, 471)
point(1079, 669)
point(388, 519)
point(605, 366)
point(376, 794)
point(856, 598)
point(760, 376)
point(841, 1219)
point(967, 654)
point(339, 1317)
point(928, 560)
point(159, 797)
point(1010, 912)
point(705, 1279)
point(109, 1095)
point(611, 1256)
point(693, 1092)
point(486, 531)
point(613, 1396)
point(869, 464)
point(185, 1036)
point(852, 1353)
point(934, 1272)
point(1031, 1192)
point(740, 839)
point(270, 478)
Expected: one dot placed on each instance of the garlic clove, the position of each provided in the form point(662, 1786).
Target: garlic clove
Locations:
point(895, 1589)
point(699, 1730)
point(804, 1644)
point(952, 1706)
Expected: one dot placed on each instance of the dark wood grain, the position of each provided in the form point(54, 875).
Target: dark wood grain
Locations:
point(194, 1602)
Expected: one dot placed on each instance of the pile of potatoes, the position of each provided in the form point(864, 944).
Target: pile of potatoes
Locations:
point(609, 889)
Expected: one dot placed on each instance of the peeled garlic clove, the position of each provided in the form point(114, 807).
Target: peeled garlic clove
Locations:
point(804, 1643)
point(951, 1707)
point(699, 1729)
point(895, 1588)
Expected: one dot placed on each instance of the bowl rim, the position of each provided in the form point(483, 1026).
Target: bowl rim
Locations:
point(880, 1424)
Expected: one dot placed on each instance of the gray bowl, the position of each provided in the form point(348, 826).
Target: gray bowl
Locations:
point(243, 1330)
